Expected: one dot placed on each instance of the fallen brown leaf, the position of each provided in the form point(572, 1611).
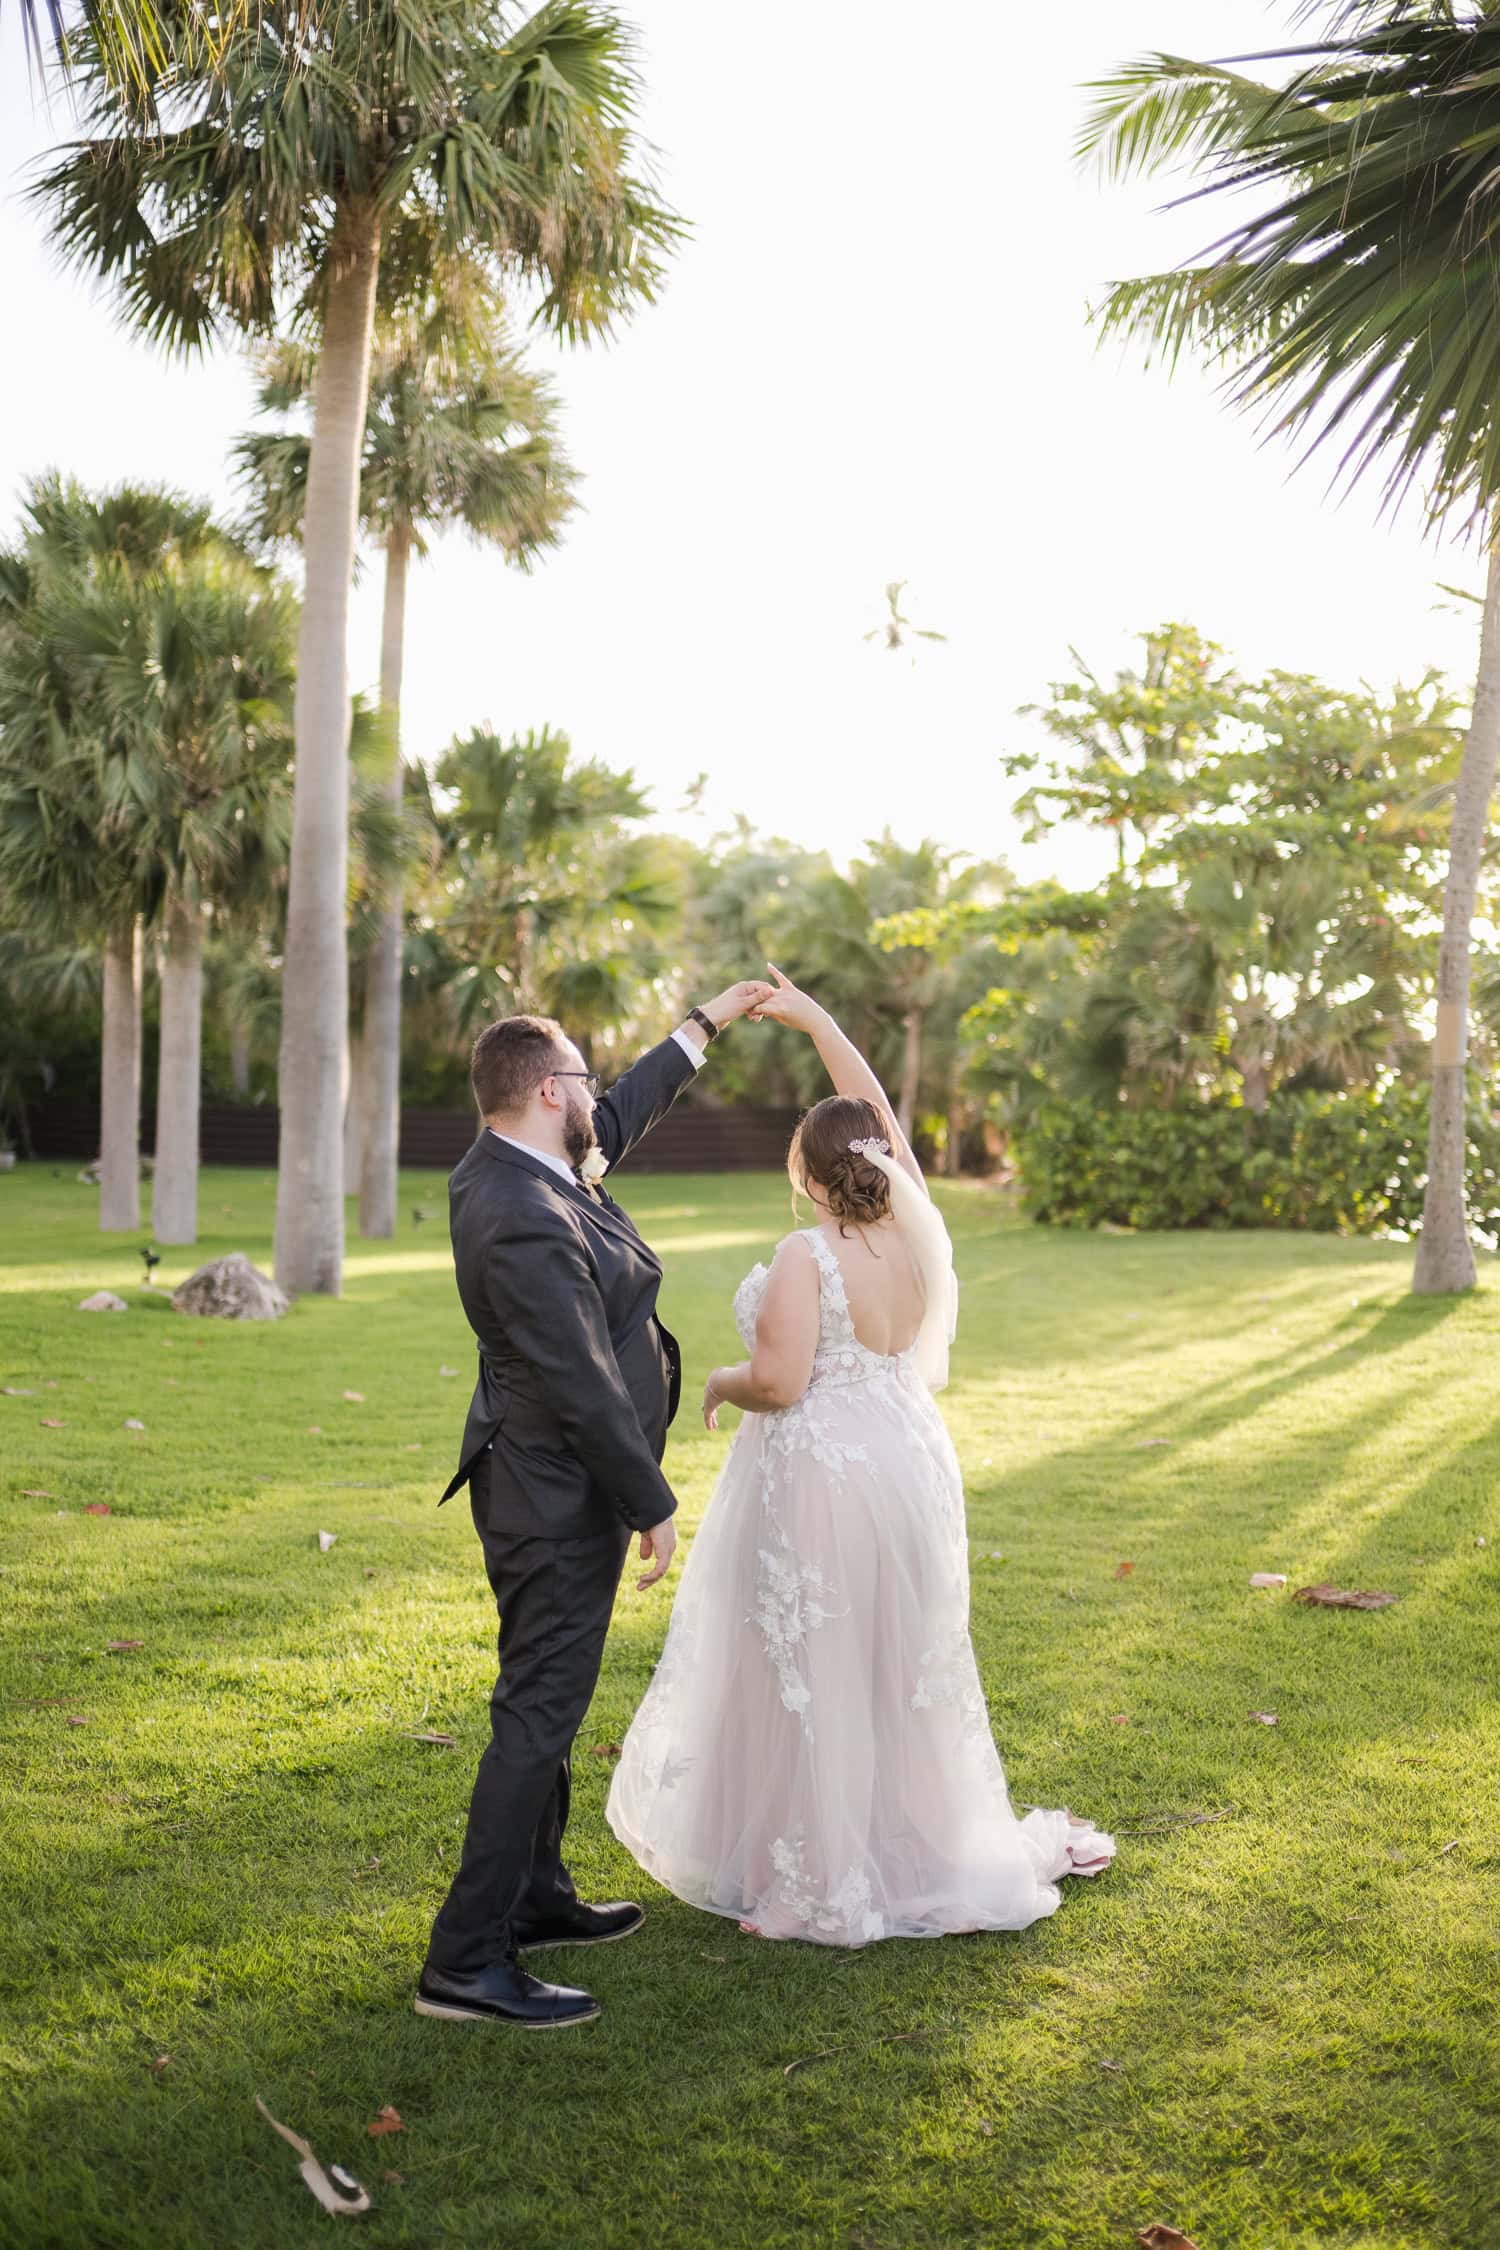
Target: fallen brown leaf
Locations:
point(98, 1508)
point(1331, 1597)
point(355, 1398)
point(117, 1648)
point(369, 1570)
point(985, 2127)
point(1124, 1569)
point(385, 2120)
point(31, 1492)
point(394, 2179)
point(605, 1750)
point(1106, 2064)
point(1120, 1719)
point(160, 2066)
point(430, 1734)
point(13, 1390)
point(1158, 2237)
point(49, 1424)
point(1143, 1444)
point(334, 2189)
point(79, 1719)
point(1264, 1718)
point(1453, 1847)
point(1268, 1577)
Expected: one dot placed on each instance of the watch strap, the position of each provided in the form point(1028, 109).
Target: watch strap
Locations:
point(705, 1023)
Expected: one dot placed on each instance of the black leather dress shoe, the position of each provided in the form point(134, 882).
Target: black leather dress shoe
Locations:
point(577, 1924)
point(507, 1994)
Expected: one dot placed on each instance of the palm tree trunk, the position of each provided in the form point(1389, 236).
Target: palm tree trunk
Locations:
point(1445, 1254)
point(911, 1071)
point(239, 1056)
point(354, 1109)
point(377, 1179)
point(953, 1146)
point(315, 980)
point(174, 1187)
point(120, 1084)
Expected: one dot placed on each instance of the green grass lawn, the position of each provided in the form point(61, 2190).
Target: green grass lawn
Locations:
point(1273, 2028)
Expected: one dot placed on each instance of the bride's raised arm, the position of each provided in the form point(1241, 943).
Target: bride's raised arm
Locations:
point(846, 1066)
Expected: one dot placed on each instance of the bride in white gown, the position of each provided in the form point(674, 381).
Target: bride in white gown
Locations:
point(813, 1756)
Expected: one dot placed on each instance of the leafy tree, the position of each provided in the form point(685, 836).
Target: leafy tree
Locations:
point(1134, 750)
point(458, 430)
point(1352, 299)
point(146, 718)
point(1277, 930)
point(324, 153)
point(540, 893)
point(61, 876)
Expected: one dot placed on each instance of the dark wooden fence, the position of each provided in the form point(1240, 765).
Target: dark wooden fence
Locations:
point(687, 1140)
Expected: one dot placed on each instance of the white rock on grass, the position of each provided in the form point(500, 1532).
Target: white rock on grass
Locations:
point(104, 1300)
point(230, 1289)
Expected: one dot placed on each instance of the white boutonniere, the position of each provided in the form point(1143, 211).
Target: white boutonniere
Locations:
point(593, 1168)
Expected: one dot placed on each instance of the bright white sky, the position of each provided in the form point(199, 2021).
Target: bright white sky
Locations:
point(871, 362)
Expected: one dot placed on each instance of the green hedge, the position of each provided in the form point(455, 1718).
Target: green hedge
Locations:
point(1335, 1163)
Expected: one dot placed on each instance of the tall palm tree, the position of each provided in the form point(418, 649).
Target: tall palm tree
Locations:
point(57, 855)
point(196, 676)
point(1353, 301)
point(156, 744)
point(458, 431)
point(323, 149)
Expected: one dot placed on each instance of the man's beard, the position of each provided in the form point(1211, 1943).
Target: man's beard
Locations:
point(579, 1136)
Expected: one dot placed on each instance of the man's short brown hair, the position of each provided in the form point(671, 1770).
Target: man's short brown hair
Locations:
point(511, 1058)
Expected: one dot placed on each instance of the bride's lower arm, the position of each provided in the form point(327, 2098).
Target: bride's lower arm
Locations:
point(739, 1386)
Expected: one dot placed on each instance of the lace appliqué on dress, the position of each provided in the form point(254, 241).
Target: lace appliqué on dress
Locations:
point(847, 1907)
point(791, 1601)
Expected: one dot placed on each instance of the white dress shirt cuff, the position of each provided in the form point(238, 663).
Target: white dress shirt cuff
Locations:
point(696, 1055)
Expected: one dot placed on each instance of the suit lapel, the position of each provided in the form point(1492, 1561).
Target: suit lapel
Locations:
point(602, 1211)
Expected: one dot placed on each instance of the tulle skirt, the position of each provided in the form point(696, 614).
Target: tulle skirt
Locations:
point(814, 1755)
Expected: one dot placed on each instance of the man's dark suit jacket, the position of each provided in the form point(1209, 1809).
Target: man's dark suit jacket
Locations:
point(578, 1380)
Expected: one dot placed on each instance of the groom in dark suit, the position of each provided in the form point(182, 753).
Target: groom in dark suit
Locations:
point(578, 1381)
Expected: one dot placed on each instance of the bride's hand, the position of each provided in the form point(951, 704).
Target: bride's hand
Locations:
point(796, 1009)
point(711, 1403)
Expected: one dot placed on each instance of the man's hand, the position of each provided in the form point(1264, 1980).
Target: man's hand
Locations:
point(738, 1001)
point(658, 1545)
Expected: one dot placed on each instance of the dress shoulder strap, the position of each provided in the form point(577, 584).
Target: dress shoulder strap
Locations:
point(822, 1251)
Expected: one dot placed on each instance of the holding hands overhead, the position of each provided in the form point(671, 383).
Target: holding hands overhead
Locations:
point(742, 999)
point(786, 1003)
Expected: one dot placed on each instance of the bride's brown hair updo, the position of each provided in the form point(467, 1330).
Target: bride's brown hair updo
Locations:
point(856, 1191)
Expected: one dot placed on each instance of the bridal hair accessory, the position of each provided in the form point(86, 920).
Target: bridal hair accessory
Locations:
point(863, 1148)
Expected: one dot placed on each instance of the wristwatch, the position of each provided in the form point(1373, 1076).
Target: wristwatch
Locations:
point(705, 1023)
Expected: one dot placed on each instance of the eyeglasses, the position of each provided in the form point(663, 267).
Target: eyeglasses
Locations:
point(590, 1078)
